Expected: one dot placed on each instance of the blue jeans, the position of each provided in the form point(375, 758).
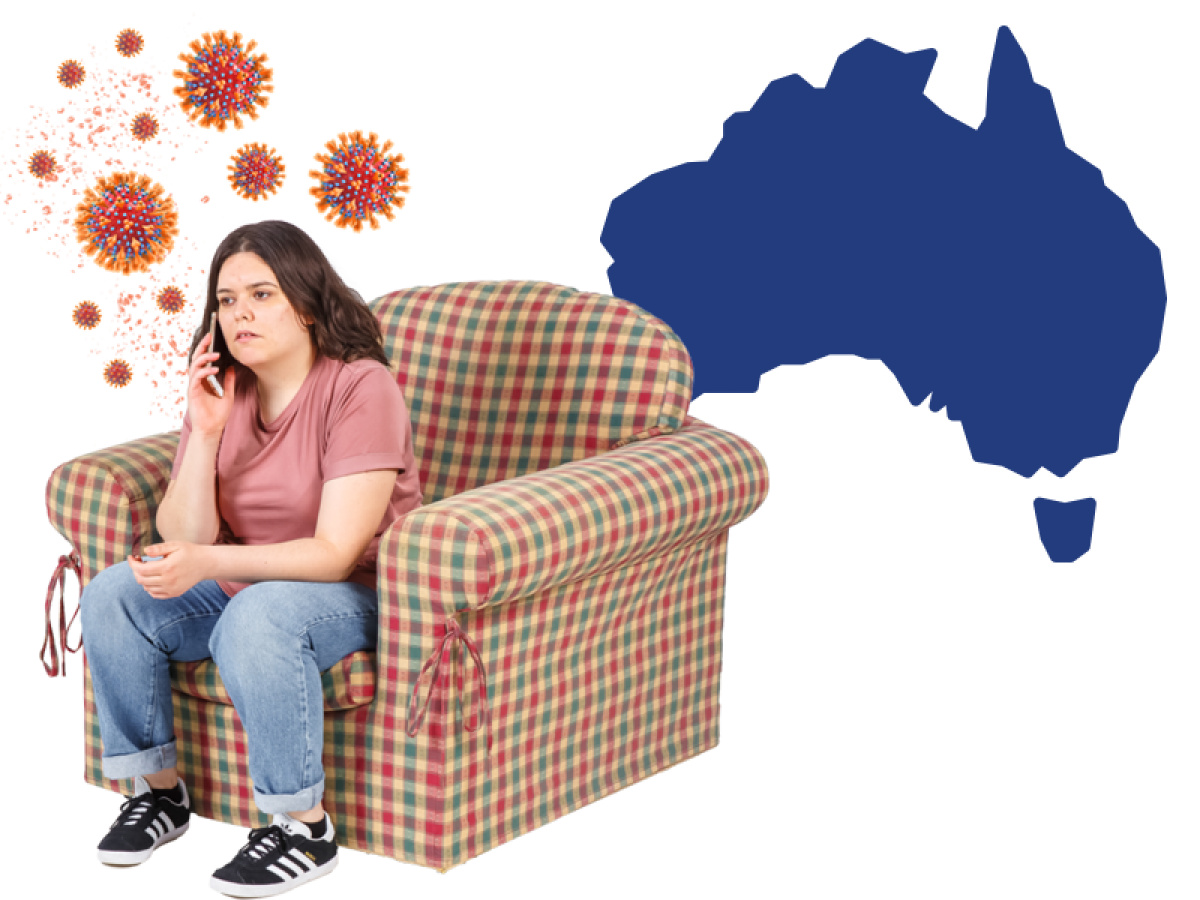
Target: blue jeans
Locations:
point(270, 642)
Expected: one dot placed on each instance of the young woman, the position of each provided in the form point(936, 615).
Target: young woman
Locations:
point(271, 522)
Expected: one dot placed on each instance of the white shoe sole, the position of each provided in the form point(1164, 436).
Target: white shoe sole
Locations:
point(256, 892)
point(119, 859)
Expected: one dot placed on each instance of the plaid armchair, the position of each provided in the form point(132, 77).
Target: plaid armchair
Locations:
point(550, 619)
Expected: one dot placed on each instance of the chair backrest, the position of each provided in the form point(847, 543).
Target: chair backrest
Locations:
point(503, 378)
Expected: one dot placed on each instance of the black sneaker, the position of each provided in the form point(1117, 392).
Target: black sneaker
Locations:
point(145, 823)
point(278, 858)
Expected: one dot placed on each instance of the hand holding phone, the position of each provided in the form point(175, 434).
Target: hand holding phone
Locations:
point(209, 392)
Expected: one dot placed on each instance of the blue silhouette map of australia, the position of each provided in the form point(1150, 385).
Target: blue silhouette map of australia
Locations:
point(991, 270)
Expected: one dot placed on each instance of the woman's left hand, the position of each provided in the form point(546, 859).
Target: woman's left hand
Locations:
point(182, 567)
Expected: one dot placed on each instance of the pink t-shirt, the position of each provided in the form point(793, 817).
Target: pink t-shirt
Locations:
point(346, 418)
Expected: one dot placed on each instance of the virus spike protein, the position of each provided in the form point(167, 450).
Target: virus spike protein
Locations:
point(87, 316)
point(223, 82)
point(118, 372)
point(71, 73)
point(129, 42)
point(126, 222)
point(144, 127)
point(359, 181)
point(257, 171)
point(171, 300)
point(42, 165)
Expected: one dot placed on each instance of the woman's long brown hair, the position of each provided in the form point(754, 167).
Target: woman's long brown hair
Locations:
point(343, 326)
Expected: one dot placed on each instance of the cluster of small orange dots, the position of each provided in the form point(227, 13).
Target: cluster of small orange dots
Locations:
point(71, 74)
point(142, 196)
point(144, 126)
point(87, 316)
point(170, 299)
point(42, 165)
point(129, 43)
point(360, 181)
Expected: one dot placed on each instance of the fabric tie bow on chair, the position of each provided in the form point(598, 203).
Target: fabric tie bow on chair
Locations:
point(482, 714)
point(74, 563)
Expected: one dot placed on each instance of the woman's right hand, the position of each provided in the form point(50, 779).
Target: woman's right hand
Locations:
point(208, 412)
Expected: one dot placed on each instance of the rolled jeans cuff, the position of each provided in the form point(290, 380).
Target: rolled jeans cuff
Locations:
point(144, 762)
point(287, 803)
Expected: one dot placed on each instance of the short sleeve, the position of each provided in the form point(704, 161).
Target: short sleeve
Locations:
point(368, 425)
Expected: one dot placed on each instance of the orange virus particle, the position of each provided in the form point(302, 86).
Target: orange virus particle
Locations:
point(129, 43)
point(257, 171)
point(117, 373)
point(359, 181)
point(170, 299)
point(144, 126)
point(223, 81)
point(71, 74)
point(86, 315)
point(126, 222)
point(43, 165)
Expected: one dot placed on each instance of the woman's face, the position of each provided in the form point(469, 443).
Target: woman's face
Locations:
point(258, 322)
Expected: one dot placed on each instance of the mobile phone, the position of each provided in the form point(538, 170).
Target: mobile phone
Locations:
point(212, 339)
point(149, 558)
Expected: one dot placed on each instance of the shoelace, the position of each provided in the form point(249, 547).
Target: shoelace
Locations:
point(134, 809)
point(262, 841)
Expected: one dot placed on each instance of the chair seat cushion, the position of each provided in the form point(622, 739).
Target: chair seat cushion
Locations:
point(350, 683)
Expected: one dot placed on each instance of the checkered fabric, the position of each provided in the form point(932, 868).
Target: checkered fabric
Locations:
point(550, 620)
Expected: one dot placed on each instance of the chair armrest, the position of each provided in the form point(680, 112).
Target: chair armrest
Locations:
point(515, 538)
point(104, 503)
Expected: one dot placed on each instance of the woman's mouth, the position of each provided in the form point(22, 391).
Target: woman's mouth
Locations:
point(244, 336)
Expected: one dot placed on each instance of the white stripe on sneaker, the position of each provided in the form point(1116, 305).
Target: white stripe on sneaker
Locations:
point(293, 864)
point(309, 864)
